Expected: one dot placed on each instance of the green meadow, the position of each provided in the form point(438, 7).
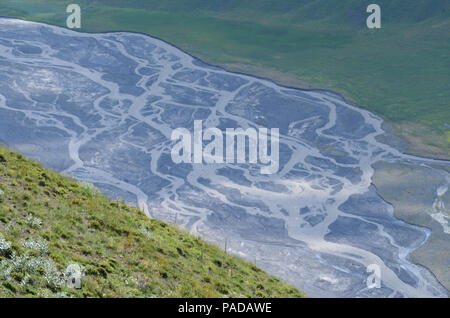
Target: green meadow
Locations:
point(400, 72)
point(49, 222)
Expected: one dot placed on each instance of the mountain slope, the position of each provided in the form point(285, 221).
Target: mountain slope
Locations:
point(48, 222)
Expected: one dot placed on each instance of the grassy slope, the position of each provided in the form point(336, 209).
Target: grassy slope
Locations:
point(108, 239)
point(400, 71)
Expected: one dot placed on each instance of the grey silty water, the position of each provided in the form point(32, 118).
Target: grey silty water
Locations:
point(102, 107)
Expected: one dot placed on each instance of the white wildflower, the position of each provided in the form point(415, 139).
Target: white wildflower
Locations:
point(4, 245)
point(39, 245)
point(146, 232)
point(33, 222)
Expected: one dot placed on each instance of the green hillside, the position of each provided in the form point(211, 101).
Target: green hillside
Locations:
point(48, 222)
point(400, 71)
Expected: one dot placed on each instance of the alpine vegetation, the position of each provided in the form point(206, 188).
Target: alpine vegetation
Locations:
point(4, 245)
point(60, 238)
point(31, 266)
